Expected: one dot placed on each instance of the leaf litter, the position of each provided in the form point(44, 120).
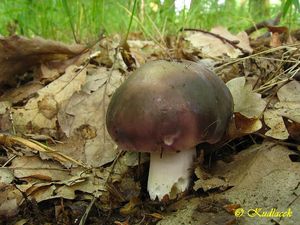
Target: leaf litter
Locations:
point(56, 148)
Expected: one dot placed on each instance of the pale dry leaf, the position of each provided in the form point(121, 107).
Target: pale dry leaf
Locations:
point(77, 179)
point(4, 105)
point(40, 112)
point(246, 101)
point(143, 50)
point(215, 47)
point(242, 37)
point(262, 176)
point(34, 167)
point(6, 175)
point(89, 111)
point(95, 80)
point(289, 92)
point(274, 121)
point(289, 97)
point(10, 199)
point(209, 184)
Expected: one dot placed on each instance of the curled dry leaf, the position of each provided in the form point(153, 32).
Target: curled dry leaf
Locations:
point(40, 112)
point(47, 179)
point(87, 109)
point(246, 101)
point(213, 46)
point(288, 107)
point(248, 107)
point(19, 54)
point(143, 50)
point(275, 122)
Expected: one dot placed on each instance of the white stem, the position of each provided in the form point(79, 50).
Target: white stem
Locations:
point(169, 175)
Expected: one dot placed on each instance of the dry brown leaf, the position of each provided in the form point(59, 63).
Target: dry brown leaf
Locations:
point(34, 167)
point(89, 111)
point(10, 199)
point(264, 175)
point(289, 97)
point(40, 112)
point(21, 94)
point(274, 121)
point(5, 120)
point(143, 50)
point(293, 128)
point(242, 37)
point(246, 101)
point(19, 54)
point(288, 107)
point(246, 125)
point(215, 47)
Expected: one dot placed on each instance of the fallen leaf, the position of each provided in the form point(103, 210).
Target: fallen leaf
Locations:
point(10, 199)
point(274, 121)
point(40, 112)
point(213, 46)
point(34, 167)
point(293, 128)
point(289, 101)
point(262, 176)
point(84, 109)
point(19, 54)
point(6, 176)
point(246, 101)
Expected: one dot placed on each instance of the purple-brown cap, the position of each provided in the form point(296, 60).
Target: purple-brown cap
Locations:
point(169, 106)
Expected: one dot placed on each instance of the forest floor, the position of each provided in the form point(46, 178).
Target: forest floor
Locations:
point(59, 165)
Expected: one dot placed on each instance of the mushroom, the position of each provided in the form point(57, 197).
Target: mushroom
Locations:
point(167, 108)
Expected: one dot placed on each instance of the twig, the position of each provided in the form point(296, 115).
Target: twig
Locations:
point(264, 24)
point(87, 211)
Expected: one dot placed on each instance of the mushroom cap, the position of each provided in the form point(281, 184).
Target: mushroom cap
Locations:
point(169, 106)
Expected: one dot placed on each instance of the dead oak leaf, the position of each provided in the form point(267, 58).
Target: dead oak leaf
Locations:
point(87, 109)
point(40, 112)
point(246, 101)
point(213, 46)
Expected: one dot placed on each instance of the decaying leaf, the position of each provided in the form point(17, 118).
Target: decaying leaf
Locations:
point(143, 51)
point(274, 121)
point(265, 172)
point(19, 54)
point(213, 46)
point(246, 101)
point(289, 97)
point(287, 107)
point(10, 199)
point(33, 167)
point(195, 211)
point(247, 125)
point(88, 108)
point(6, 176)
point(40, 112)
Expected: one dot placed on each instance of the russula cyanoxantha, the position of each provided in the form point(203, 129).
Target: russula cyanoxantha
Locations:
point(167, 108)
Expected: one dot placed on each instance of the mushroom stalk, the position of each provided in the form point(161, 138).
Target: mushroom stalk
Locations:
point(169, 173)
